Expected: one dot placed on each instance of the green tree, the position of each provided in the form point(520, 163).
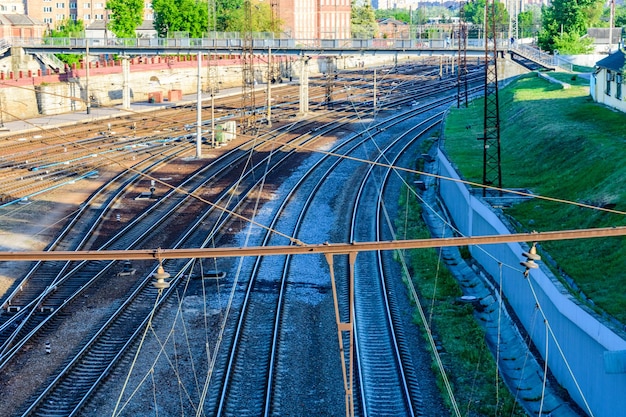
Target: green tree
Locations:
point(572, 44)
point(529, 21)
point(419, 16)
point(475, 13)
point(363, 20)
point(620, 16)
point(126, 17)
point(402, 15)
point(69, 28)
point(260, 13)
point(566, 19)
point(189, 16)
point(225, 11)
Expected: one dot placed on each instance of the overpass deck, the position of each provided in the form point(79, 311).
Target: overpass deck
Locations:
point(302, 47)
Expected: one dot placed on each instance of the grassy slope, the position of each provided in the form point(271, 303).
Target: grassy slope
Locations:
point(558, 143)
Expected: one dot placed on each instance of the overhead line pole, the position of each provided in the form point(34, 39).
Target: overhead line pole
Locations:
point(331, 248)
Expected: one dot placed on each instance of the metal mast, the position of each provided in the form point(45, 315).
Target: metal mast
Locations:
point(513, 7)
point(330, 80)
point(248, 102)
point(492, 170)
point(461, 74)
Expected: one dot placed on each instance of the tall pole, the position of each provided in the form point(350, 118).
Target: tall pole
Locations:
point(125, 82)
point(270, 76)
point(87, 75)
point(374, 89)
point(611, 24)
point(212, 118)
point(199, 109)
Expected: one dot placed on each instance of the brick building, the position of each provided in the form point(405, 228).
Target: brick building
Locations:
point(315, 19)
point(302, 19)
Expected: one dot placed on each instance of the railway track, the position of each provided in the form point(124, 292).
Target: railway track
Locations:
point(205, 231)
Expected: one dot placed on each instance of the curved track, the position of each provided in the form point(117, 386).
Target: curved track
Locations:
point(208, 218)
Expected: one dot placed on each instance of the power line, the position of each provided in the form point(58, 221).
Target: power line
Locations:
point(324, 248)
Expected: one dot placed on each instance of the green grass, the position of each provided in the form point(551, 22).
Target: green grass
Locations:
point(469, 364)
point(559, 144)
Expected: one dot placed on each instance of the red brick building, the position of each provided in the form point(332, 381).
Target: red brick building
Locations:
point(315, 19)
point(20, 26)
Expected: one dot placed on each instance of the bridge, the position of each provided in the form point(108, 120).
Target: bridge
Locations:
point(260, 45)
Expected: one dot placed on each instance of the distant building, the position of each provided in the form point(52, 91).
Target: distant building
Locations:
point(13, 7)
point(391, 28)
point(606, 85)
point(315, 19)
point(601, 40)
point(20, 26)
point(53, 12)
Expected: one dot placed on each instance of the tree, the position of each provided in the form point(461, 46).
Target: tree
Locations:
point(180, 16)
point(567, 19)
point(363, 21)
point(399, 14)
point(69, 28)
point(235, 18)
point(475, 13)
point(572, 44)
point(126, 17)
point(529, 22)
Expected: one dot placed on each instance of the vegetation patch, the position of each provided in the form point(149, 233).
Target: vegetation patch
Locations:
point(460, 341)
point(569, 150)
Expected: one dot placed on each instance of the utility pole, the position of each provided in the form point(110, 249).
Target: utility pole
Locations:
point(199, 109)
point(492, 169)
point(211, 70)
point(611, 25)
point(461, 74)
point(248, 102)
point(375, 92)
point(330, 79)
point(88, 105)
point(269, 87)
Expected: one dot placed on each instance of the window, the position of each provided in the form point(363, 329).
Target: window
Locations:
point(87, 17)
point(72, 5)
point(99, 5)
point(60, 17)
point(86, 5)
point(47, 20)
point(73, 17)
point(618, 86)
point(47, 9)
point(60, 5)
point(609, 78)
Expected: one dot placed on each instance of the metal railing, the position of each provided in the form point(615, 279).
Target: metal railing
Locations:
point(260, 40)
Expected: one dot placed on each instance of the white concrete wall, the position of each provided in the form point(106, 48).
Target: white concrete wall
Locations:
point(597, 90)
point(583, 340)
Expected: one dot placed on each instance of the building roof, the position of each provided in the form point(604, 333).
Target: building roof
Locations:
point(601, 35)
point(613, 62)
point(19, 20)
point(391, 21)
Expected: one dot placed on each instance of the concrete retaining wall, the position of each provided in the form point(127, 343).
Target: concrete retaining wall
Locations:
point(585, 356)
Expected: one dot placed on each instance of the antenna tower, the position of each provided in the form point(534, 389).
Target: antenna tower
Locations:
point(492, 169)
point(461, 74)
point(248, 102)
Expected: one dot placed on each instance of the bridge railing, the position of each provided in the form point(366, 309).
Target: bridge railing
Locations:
point(259, 41)
point(549, 60)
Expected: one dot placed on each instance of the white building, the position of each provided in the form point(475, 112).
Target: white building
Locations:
point(606, 84)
